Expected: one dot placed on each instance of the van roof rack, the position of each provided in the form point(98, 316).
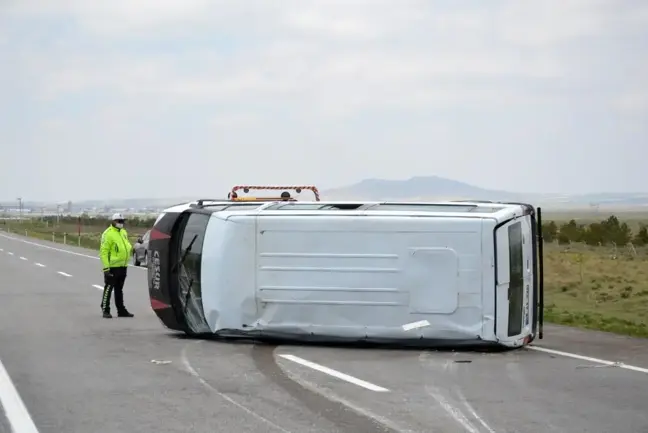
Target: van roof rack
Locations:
point(285, 195)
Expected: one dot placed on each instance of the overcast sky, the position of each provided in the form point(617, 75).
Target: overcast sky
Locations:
point(166, 98)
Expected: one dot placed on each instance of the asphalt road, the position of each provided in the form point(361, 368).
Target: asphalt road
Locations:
point(77, 372)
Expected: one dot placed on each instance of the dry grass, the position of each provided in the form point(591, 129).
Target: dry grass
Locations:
point(597, 287)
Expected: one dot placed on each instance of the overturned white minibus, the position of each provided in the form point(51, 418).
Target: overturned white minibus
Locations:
point(430, 274)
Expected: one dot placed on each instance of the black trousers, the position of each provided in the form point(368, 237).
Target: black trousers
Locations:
point(114, 282)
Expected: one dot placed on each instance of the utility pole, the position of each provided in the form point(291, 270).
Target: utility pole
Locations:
point(20, 207)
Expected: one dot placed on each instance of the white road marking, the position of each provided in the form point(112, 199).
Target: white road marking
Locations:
point(64, 274)
point(10, 253)
point(335, 373)
point(23, 258)
point(415, 325)
point(40, 265)
point(15, 410)
point(61, 250)
point(97, 286)
point(1, 249)
point(588, 358)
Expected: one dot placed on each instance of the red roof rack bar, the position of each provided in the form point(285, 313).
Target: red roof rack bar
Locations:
point(297, 188)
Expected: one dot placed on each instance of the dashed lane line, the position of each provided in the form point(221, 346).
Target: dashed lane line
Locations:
point(23, 258)
point(334, 373)
point(97, 286)
point(40, 265)
point(65, 274)
point(61, 250)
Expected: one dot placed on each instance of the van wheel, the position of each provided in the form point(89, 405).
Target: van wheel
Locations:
point(135, 261)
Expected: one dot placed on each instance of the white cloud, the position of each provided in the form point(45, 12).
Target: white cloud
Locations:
point(366, 53)
point(237, 64)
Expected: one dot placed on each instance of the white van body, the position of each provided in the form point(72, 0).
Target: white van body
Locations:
point(365, 274)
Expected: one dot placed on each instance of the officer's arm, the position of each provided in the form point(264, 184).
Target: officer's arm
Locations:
point(104, 251)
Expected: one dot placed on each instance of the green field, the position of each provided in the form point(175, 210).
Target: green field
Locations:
point(67, 232)
point(602, 286)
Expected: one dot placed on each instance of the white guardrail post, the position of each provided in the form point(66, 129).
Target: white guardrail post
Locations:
point(64, 238)
point(53, 237)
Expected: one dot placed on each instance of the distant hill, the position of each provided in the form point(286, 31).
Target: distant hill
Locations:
point(419, 187)
point(439, 188)
point(415, 188)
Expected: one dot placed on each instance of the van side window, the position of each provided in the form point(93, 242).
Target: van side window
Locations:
point(190, 272)
point(516, 284)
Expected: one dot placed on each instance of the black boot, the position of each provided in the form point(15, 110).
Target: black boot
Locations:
point(125, 313)
point(107, 315)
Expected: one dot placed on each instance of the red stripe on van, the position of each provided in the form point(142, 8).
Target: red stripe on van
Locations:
point(157, 235)
point(158, 305)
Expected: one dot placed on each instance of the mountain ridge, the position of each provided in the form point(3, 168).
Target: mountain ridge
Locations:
point(425, 188)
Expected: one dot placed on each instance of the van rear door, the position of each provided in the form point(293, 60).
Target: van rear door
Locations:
point(514, 279)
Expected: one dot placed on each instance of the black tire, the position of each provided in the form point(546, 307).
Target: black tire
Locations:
point(135, 261)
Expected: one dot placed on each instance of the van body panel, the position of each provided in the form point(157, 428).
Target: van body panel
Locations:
point(350, 277)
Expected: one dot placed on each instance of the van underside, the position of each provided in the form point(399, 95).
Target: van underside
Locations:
point(285, 338)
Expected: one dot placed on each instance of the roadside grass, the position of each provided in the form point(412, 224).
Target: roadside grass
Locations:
point(597, 288)
point(66, 233)
point(601, 288)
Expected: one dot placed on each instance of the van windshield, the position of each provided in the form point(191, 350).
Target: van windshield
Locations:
point(189, 270)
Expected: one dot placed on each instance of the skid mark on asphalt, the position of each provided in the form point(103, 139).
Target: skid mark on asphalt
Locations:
point(317, 400)
point(473, 412)
point(446, 400)
point(187, 365)
point(333, 397)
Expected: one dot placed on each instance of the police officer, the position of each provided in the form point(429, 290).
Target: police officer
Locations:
point(115, 253)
